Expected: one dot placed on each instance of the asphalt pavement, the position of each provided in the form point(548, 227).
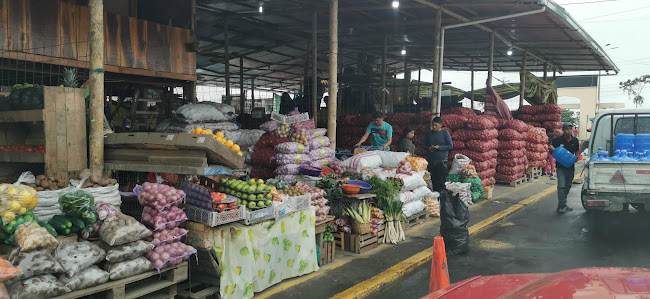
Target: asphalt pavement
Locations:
point(536, 239)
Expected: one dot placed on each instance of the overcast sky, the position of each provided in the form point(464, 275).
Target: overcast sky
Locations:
point(621, 23)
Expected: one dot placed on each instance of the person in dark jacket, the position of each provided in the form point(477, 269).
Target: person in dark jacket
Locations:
point(565, 174)
point(437, 144)
point(406, 141)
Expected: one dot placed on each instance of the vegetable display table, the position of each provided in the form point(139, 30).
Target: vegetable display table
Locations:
point(255, 257)
point(338, 204)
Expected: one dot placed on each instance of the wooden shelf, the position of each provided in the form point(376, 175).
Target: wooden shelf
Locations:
point(22, 116)
point(24, 157)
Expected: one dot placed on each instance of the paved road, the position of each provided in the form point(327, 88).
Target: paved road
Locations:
point(536, 239)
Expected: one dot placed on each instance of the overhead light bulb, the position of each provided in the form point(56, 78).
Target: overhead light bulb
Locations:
point(403, 52)
point(261, 7)
point(395, 4)
point(509, 52)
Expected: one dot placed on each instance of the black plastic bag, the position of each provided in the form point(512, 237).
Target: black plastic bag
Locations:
point(454, 216)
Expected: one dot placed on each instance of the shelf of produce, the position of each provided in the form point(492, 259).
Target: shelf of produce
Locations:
point(24, 157)
point(138, 285)
point(22, 116)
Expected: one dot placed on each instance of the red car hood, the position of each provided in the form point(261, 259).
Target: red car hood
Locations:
point(577, 283)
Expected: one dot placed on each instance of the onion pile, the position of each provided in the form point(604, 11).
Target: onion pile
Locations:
point(338, 168)
point(283, 131)
point(301, 136)
point(158, 220)
point(170, 254)
point(159, 196)
point(168, 236)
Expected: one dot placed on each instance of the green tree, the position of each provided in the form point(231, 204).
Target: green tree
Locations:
point(569, 116)
point(634, 87)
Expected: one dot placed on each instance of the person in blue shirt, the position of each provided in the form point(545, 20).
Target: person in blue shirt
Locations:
point(381, 131)
point(437, 144)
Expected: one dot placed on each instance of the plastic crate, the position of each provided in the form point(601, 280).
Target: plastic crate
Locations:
point(287, 120)
point(299, 203)
point(257, 216)
point(213, 218)
point(280, 209)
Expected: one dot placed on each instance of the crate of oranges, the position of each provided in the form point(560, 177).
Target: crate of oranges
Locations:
point(219, 136)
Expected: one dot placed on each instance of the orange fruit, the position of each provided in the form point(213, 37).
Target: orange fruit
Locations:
point(235, 147)
point(206, 132)
point(240, 154)
point(228, 143)
point(220, 134)
point(198, 130)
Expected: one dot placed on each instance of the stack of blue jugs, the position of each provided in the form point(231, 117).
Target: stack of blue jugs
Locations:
point(602, 155)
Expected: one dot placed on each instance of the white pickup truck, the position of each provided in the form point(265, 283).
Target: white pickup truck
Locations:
point(614, 186)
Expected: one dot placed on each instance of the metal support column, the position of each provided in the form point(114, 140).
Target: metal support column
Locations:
point(438, 41)
point(314, 68)
point(491, 60)
point(333, 72)
point(471, 98)
point(226, 59)
point(383, 76)
point(242, 96)
point(522, 80)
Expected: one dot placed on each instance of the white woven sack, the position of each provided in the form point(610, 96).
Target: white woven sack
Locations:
point(391, 159)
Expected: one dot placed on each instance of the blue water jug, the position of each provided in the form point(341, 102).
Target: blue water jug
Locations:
point(564, 157)
point(646, 156)
point(602, 155)
point(625, 142)
point(642, 142)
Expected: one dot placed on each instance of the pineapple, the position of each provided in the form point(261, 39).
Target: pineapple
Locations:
point(70, 77)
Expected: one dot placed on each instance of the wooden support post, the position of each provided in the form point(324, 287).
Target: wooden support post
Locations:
point(522, 80)
point(437, 63)
point(545, 73)
point(405, 84)
point(333, 69)
point(491, 59)
point(417, 95)
point(314, 67)
point(383, 76)
point(471, 98)
point(554, 76)
point(252, 93)
point(226, 59)
point(96, 135)
point(242, 96)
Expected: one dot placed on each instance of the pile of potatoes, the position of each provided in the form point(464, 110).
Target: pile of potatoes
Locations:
point(48, 183)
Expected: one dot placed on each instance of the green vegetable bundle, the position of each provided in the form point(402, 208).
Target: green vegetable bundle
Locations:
point(80, 204)
point(331, 186)
point(476, 195)
point(384, 189)
point(476, 184)
point(454, 178)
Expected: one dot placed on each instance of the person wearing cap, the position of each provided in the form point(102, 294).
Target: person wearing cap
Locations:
point(565, 174)
point(381, 131)
point(437, 144)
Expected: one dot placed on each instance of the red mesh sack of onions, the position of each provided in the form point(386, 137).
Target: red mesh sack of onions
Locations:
point(528, 109)
point(511, 154)
point(551, 109)
point(424, 117)
point(480, 156)
point(338, 168)
point(462, 135)
point(533, 124)
point(533, 156)
point(526, 117)
point(482, 146)
point(535, 138)
point(546, 117)
point(167, 236)
point(508, 177)
point(510, 170)
point(169, 254)
point(454, 121)
point(483, 165)
point(292, 148)
point(485, 135)
point(488, 182)
point(487, 173)
point(346, 121)
point(516, 125)
point(459, 145)
point(363, 120)
point(481, 123)
point(538, 163)
point(159, 196)
point(512, 144)
point(510, 134)
point(166, 219)
point(510, 162)
point(306, 125)
point(458, 110)
point(537, 147)
point(262, 172)
point(263, 157)
point(269, 139)
point(400, 119)
point(552, 124)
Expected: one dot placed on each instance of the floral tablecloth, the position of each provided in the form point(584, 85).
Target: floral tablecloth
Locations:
point(255, 257)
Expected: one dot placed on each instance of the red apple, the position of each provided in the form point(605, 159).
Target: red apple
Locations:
point(221, 206)
point(232, 205)
point(222, 212)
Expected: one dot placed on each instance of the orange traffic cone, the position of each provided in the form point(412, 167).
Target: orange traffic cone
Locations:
point(439, 271)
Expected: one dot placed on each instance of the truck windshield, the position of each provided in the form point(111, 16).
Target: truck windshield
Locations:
point(604, 138)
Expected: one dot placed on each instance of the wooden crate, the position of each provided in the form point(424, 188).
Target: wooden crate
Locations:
point(339, 240)
point(199, 235)
point(137, 286)
point(361, 243)
point(416, 219)
point(488, 193)
point(327, 253)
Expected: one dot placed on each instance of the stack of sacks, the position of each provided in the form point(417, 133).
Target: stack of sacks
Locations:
point(320, 153)
point(480, 142)
point(125, 256)
point(512, 148)
point(536, 147)
point(162, 215)
point(355, 127)
point(318, 200)
point(261, 160)
point(290, 156)
point(216, 117)
point(545, 116)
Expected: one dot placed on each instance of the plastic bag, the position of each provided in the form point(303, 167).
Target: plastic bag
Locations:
point(158, 220)
point(160, 196)
point(31, 236)
point(321, 153)
point(412, 208)
point(170, 254)
point(291, 148)
point(454, 216)
point(128, 268)
point(288, 169)
point(34, 263)
point(270, 126)
point(299, 159)
point(104, 210)
point(460, 162)
point(77, 256)
point(168, 236)
point(319, 142)
point(433, 206)
point(79, 203)
point(319, 163)
point(119, 229)
point(418, 164)
point(88, 277)
point(128, 251)
point(7, 270)
point(193, 113)
point(43, 286)
point(391, 159)
point(320, 132)
point(16, 199)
